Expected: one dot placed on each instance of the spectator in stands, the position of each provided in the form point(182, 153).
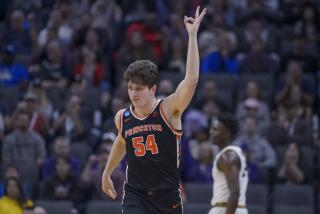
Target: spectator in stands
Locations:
point(256, 28)
point(91, 175)
point(260, 151)
point(45, 106)
point(14, 200)
point(94, 43)
point(115, 105)
point(257, 60)
point(301, 53)
point(290, 170)
point(252, 105)
point(66, 26)
point(122, 92)
point(12, 172)
point(154, 35)
point(297, 126)
point(224, 9)
point(176, 57)
point(71, 122)
point(294, 77)
point(22, 38)
point(199, 137)
point(54, 68)
point(175, 28)
point(210, 91)
point(277, 131)
point(220, 58)
point(292, 10)
point(12, 73)
point(165, 88)
point(252, 167)
point(135, 47)
point(294, 90)
point(63, 184)
point(61, 149)
point(105, 14)
point(194, 121)
point(39, 123)
point(307, 26)
point(24, 149)
point(201, 169)
point(253, 108)
point(89, 68)
point(197, 119)
point(83, 27)
point(52, 30)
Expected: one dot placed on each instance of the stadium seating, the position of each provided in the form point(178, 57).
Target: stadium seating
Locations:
point(257, 209)
point(224, 82)
point(198, 193)
point(295, 195)
point(102, 207)
point(264, 81)
point(282, 209)
point(196, 208)
point(257, 194)
point(56, 207)
point(81, 151)
point(175, 78)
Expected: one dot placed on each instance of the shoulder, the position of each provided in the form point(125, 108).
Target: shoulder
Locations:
point(118, 118)
point(230, 156)
point(228, 159)
point(10, 137)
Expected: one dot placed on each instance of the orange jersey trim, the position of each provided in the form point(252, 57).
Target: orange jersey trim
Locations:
point(175, 131)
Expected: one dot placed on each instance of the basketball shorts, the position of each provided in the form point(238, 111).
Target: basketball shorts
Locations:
point(148, 202)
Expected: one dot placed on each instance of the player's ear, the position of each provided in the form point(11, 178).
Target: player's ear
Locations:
point(154, 88)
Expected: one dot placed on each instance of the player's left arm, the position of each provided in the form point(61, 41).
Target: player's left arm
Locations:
point(230, 165)
point(180, 99)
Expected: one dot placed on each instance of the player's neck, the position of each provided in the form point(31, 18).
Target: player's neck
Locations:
point(222, 146)
point(146, 110)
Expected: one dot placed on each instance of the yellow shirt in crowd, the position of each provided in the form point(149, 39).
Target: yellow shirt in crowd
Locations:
point(11, 206)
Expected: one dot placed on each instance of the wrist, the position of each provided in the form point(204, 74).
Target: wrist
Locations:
point(193, 35)
point(106, 174)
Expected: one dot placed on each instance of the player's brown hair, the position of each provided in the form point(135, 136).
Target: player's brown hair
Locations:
point(142, 72)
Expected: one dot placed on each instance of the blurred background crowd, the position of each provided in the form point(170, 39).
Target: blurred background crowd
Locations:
point(61, 84)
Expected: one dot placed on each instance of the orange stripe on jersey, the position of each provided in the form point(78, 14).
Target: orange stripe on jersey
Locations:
point(175, 131)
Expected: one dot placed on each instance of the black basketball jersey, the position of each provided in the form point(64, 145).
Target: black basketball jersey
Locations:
point(153, 150)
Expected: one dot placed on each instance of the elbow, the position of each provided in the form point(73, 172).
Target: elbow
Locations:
point(192, 82)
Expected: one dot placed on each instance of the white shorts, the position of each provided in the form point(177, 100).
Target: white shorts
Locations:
point(222, 210)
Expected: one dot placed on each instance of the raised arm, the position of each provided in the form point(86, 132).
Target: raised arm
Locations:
point(180, 99)
point(116, 155)
point(229, 164)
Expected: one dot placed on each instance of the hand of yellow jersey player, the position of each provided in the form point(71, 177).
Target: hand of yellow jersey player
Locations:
point(192, 24)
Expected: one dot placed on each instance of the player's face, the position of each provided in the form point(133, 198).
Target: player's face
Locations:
point(139, 94)
point(217, 132)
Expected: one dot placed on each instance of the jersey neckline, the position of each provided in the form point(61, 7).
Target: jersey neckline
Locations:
point(143, 118)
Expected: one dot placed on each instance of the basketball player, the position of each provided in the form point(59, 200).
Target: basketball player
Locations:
point(229, 169)
point(149, 133)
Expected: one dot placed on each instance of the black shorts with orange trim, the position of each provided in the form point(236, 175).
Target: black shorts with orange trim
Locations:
point(147, 202)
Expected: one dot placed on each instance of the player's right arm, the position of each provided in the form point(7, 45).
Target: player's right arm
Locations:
point(116, 155)
point(229, 164)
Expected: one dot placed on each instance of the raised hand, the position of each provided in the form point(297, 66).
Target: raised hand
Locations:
point(192, 24)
